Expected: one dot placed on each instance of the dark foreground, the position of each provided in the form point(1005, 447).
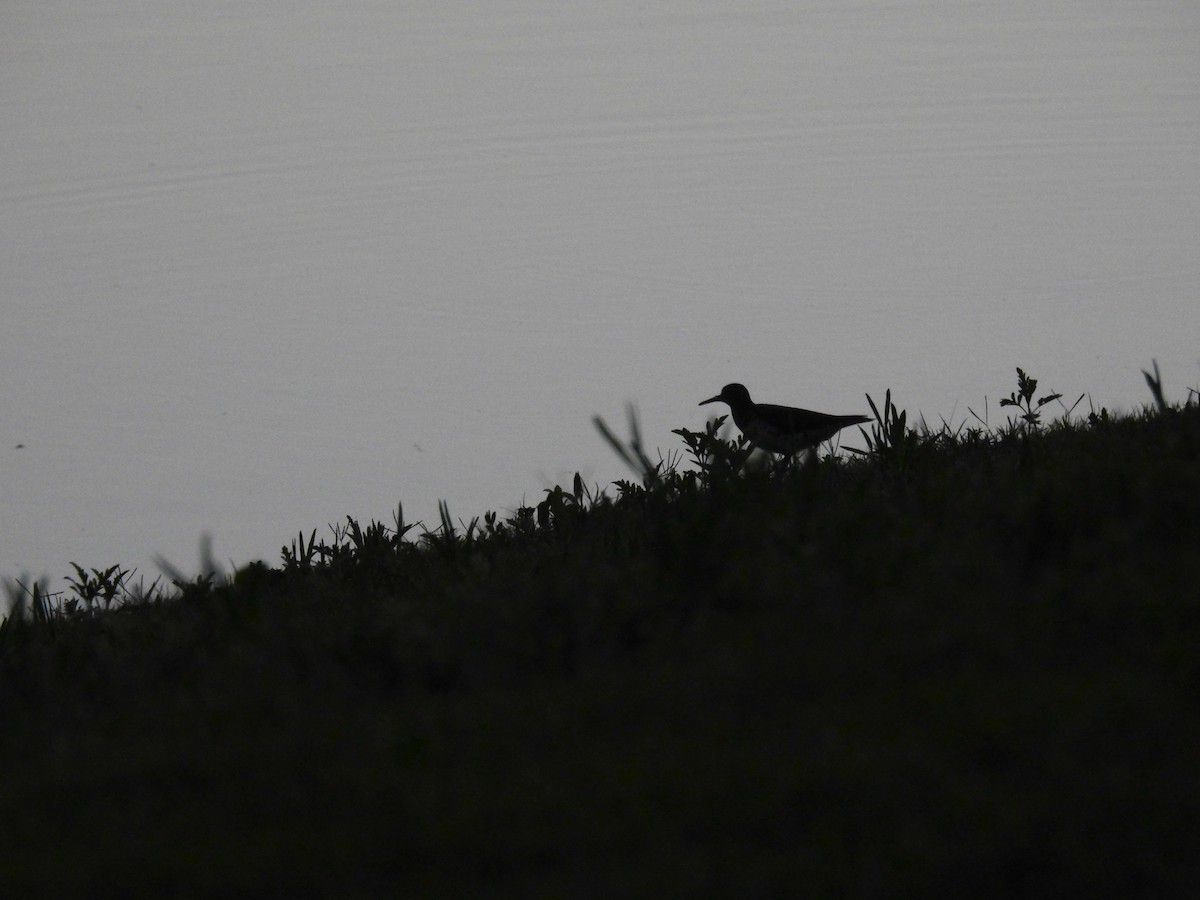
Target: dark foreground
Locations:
point(967, 666)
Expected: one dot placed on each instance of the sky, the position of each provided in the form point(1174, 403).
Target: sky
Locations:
point(266, 265)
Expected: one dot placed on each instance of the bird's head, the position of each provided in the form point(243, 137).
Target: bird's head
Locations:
point(735, 395)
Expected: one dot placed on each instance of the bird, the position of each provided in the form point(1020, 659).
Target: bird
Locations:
point(780, 429)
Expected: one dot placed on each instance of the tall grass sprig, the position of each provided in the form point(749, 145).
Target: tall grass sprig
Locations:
point(1029, 410)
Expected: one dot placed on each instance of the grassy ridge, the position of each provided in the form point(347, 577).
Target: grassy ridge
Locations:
point(966, 661)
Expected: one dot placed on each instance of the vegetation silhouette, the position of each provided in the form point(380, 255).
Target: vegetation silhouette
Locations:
point(961, 654)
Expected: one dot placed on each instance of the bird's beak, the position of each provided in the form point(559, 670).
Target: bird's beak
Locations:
point(709, 400)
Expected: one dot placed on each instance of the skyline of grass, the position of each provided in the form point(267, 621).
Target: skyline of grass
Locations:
point(117, 581)
point(962, 660)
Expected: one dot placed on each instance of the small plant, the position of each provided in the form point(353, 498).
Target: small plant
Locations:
point(890, 439)
point(95, 589)
point(29, 603)
point(1022, 399)
point(1155, 384)
point(1156, 387)
point(717, 458)
point(376, 540)
point(301, 555)
point(890, 431)
point(193, 590)
point(445, 540)
point(563, 509)
point(522, 524)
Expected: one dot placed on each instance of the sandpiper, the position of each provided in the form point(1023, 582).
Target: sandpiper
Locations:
point(780, 429)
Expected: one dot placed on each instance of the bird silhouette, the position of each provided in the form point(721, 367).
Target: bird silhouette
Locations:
point(780, 429)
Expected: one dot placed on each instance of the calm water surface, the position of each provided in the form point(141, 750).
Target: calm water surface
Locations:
point(266, 264)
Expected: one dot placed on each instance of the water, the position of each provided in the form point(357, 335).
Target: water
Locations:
point(267, 264)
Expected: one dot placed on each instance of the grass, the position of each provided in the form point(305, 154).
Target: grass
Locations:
point(964, 659)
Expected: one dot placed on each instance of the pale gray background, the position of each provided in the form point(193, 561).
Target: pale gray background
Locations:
point(264, 264)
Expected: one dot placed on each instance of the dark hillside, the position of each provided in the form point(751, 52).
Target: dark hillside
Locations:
point(963, 663)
